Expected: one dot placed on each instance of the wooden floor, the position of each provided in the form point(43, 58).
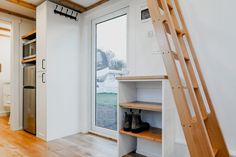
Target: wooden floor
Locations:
point(22, 144)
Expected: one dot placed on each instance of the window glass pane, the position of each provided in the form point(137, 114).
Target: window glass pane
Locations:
point(111, 40)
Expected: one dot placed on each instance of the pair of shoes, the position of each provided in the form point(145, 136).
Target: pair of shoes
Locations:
point(134, 123)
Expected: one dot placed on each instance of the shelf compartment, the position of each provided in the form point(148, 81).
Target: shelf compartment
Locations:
point(29, 60)
point(29, 36)
point(153, 134)
point(142, 106)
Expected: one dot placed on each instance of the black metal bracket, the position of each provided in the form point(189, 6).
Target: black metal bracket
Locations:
point(68, 13)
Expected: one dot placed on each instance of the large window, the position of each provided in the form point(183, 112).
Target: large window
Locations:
point(110, 62)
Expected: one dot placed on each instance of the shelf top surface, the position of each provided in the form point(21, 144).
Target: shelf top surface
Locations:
point(142, 106)
point(154, 134)
point(142, 78)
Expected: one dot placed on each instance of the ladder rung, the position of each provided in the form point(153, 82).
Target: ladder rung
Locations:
point(177, 58)
point(215, 151)
point(180, 32)
point(185, 87)
point(204, 118)
point(168, 3)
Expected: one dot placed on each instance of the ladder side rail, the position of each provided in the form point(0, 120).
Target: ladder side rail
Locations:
point(182, 61)
point(188, 63)
point(171, 67)
point(202, 134)
point(194, 56)
point(195, 134)
point(194, 79)
point(212, 123)
point(190, 67)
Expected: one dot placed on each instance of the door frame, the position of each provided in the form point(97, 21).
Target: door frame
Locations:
point(16, 103)
point(93, 128)
point(16, 118)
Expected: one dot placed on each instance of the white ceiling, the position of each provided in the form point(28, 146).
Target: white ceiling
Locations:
point(85, 3)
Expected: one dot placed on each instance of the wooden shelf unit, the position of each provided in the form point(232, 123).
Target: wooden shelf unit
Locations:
point(29, 36)
point(148, 106)
point(154, 134)
point(152, 95)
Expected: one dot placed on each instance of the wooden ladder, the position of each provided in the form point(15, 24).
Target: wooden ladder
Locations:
point(197, 115)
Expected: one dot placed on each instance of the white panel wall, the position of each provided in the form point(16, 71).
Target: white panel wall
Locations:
point(62, 73)
point(146, 52)
point(41, 92)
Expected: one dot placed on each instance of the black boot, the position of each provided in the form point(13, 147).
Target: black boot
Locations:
point(128, 121)
point(138, 125)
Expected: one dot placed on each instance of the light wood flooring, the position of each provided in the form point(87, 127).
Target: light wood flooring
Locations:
point(22, 144)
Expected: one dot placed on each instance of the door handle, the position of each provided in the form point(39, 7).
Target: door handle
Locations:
point(43, 81)
point(43, 62)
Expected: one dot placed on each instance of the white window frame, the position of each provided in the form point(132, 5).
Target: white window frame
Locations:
point(99, 130)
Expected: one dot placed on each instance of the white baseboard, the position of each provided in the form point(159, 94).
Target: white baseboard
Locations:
point(41, 136)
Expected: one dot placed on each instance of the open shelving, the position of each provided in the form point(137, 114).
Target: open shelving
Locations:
point(29, 48)
point(153, 97)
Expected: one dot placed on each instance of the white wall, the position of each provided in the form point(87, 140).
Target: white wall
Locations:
point(5, 53)
point(212, 30)
point(62, 74)
point(143, 47)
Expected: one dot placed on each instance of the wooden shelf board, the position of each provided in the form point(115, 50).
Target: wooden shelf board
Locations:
point(30, 35)
point(142, 106)
point(131, 78)
point(33, 59)
point(154, 134)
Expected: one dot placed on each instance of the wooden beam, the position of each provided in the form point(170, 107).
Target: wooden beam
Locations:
point(16, 14)
point(96, 4)
point(5, 29)
point(71, 5)
point(23, 3)
point(4, 35)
